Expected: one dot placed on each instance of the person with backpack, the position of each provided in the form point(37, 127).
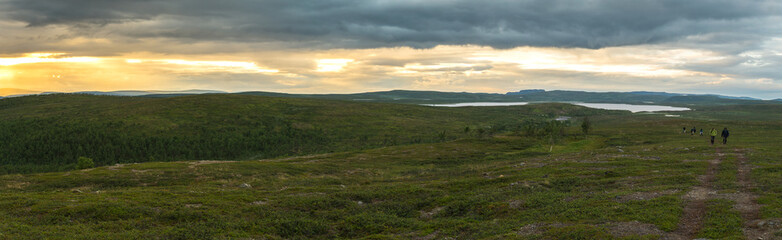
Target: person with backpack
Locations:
point(725, 135)
point(701, 131)
point(713, 134)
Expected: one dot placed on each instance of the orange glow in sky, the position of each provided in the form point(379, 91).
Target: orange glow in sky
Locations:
point(445, 68)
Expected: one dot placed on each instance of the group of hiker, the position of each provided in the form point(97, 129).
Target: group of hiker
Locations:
point(712, 133)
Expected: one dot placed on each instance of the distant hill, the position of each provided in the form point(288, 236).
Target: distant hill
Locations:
point(522, 92)
point(655, 93)
point(434, 97)
point(12, 92)
point(737, 98)
point(400, 96)
point(147, 93)
point(636, 97)
point(5, 92)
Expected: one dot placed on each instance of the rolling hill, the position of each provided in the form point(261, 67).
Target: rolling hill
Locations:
point(49, 132)
point(328, 169)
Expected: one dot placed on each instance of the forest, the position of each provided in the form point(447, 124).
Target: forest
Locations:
point(48, 133)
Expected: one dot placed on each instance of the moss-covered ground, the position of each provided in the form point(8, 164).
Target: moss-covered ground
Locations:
point(631, 178)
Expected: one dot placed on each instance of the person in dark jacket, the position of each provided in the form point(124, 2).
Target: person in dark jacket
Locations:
point(725, 135)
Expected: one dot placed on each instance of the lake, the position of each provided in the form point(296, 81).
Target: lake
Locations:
point(606, 106)
point(478, 104)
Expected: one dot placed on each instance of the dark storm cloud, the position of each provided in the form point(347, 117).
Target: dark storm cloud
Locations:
point(387, 23)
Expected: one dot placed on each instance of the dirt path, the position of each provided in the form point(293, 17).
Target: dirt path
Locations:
point(745, 200)
point(695, 202)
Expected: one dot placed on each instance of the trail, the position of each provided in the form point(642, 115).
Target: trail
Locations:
point(695, 202)
point(746, 200)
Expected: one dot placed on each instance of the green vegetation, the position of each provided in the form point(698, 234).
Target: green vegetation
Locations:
point(586, 126)
point(429, 97)
point(375, 171)
point(84, 163)
point(45, 133)
point(721, 221)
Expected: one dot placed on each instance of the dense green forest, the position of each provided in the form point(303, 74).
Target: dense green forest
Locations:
point(49, 132)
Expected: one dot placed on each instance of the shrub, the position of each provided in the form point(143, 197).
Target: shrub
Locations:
point(85, 162)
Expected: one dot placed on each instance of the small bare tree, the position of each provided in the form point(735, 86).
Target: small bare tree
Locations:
point(586, 126)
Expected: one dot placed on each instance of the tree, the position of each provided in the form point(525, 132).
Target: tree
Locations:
point(85, 162)
point(554, 129)
point(586, 126)
point(441, 135)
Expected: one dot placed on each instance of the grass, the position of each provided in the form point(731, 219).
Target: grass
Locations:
point(49, 133)
point(451, 188)
point(633, 171)
point(722, 222)
point(726, 180)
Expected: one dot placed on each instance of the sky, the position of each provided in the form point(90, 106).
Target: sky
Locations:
point(347, 46)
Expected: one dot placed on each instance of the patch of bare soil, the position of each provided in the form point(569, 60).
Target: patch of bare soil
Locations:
point(695, 203)
point(531, 229)
point(313, 158)
point(430, 214)
point(643, 196)
point(634, 228)
point(746, 203)
point(430, 236)
point(115, 167)
point(16, 184)
point(617, 229)
point(205, 162)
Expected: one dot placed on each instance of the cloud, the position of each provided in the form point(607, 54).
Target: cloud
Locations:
point(307, 46)
point(325, 24)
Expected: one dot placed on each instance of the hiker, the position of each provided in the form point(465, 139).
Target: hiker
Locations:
point(692, 132)
point(713, 134)
point(701, 131)
point(725, 135)
point(684, 130)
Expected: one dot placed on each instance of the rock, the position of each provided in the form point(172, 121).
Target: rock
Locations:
point(430, 214)
point(761, 223)
point(620, 150)
point(259, 203)
point(515, 204)
point(360, 203)
point(245, 185)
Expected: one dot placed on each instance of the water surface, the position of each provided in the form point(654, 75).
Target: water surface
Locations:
point(607, 106)
point(477, 104)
